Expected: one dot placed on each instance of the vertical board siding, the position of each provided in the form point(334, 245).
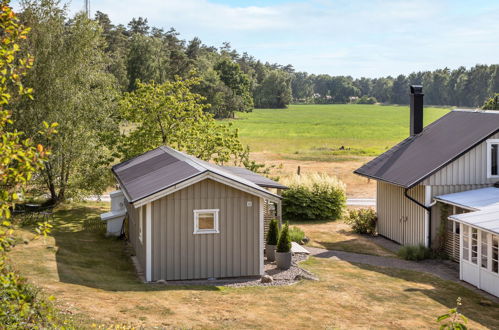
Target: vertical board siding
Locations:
point(469, 169)
point(133, 228)
point(180, 254)
point(400, 219)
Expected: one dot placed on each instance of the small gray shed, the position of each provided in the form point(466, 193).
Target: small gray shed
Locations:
point(190, 219)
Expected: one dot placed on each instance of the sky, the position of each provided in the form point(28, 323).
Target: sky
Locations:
point(368, 38)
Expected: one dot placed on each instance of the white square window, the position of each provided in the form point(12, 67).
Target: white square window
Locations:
point(493, 158)
point(206, 221)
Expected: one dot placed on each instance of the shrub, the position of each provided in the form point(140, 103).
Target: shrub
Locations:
point(362, 221)
point(367, 100)
point(415, 253)
point(273, 233)
point(284, 242)
point(296, 234)
point(313, 197)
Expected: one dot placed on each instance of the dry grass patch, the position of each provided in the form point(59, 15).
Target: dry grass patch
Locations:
point(342, 168)
point(92, 278)
point(337, 235)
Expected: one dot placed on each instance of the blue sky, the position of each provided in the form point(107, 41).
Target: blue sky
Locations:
point(368, 38)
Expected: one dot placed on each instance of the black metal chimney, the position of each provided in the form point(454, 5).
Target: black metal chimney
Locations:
point(416, 109)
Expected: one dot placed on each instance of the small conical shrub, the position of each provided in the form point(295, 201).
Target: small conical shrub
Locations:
point(273, 233)
point(284, 242)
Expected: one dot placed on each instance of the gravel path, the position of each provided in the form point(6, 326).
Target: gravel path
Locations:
point(280, 277)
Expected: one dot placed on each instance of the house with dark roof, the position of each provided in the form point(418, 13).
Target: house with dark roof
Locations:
point(438, 188)
point(190, 219)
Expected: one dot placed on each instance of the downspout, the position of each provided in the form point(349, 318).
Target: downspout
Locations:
point(427, 208)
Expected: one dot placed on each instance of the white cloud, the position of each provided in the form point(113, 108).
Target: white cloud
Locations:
point(353, 37)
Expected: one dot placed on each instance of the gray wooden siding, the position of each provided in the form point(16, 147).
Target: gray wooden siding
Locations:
point(133, 227)
point(400, 219)
point(177, 253)
point(469, 169)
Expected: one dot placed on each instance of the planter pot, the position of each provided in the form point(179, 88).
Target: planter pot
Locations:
point(283, 260)
point(270, 252)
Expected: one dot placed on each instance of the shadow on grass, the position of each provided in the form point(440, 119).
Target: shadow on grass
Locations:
point(353, 245)
point(89, 258)
point(446, 292)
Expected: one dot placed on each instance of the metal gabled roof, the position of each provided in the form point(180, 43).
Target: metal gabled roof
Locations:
point(254, 177)
point(418, 157)
point(164, 167)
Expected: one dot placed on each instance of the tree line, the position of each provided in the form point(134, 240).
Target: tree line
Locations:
point(118, 91)
point(460, 87)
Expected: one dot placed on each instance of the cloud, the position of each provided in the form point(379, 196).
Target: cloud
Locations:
point(360, 38)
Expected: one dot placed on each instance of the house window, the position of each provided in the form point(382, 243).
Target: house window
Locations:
point(206, 221)
point(466, 243)
point(495, 253)
point(474, 245)
point(484, 250)
point(493, 158)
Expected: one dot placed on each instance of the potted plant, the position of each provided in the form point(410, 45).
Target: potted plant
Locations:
point(272, 237)
point(283, 250)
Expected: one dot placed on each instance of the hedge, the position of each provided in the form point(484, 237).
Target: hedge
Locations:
point(313, 197)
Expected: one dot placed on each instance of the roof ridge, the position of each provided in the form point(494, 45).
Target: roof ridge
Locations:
point(184, 157)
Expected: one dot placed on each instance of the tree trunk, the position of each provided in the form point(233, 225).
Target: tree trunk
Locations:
point(50, 183)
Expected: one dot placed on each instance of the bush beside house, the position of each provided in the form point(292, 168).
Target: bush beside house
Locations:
point(362, 221)
point(313, 197)
point(283, 250)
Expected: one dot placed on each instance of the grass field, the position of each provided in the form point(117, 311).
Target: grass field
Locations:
point(317, 132)
point(94, 282)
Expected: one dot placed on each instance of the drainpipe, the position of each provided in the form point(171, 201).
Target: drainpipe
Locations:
point(427, 208)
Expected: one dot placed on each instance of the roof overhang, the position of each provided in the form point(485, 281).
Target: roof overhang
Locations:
point(486, 219)
point(473, 200)
point(203, 176)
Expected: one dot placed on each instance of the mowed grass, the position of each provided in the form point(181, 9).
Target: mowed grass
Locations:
point(94, 281)
point(337, 235)
point(317, 132)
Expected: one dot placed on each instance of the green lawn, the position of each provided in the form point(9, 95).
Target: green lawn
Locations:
point(316, 132)
point(93, 281)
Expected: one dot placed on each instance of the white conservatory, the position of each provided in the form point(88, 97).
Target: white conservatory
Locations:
point(479, 241)
point(475, 222)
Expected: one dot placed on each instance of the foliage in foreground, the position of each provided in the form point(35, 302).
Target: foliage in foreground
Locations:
point(453, 320)
point(313, 197)
point(362, 221)
point(284, 242)
point(296, 234)
point(415, 253)
point(20, 306)
point(273, 233)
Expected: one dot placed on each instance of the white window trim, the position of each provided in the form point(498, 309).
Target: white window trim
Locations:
point(206, 231)
point(489, 158)
point(141, 226)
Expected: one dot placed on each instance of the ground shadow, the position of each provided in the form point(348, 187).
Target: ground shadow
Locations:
point(85, 256)
point(446, 292)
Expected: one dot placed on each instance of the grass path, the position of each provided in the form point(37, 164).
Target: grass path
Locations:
point(93, 280)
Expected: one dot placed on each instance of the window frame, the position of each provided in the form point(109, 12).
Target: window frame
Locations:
point(490, 142)
point(215, 213)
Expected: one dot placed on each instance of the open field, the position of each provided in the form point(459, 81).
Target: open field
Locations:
point(317, 132)
point(94, 281)
point(311, 136)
